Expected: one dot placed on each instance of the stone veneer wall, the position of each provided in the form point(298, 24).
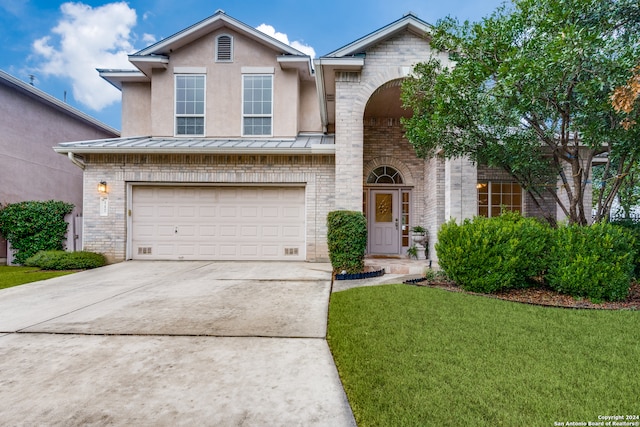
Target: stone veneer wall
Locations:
point(108, 234)
point(389, 60)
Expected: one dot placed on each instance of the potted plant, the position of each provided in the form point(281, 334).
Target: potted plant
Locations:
point(420, 240)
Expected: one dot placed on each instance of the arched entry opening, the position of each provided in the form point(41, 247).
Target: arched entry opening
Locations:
point(388, 178)
point(387, 208)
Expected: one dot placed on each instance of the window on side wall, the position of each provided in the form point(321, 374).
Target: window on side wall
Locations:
point(495, 197)
point(257, 105)
point(190, 103)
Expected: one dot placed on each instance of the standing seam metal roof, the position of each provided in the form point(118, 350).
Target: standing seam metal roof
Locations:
point(176, 144)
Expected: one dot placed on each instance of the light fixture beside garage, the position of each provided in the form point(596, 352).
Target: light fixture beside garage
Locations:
point(102, 187)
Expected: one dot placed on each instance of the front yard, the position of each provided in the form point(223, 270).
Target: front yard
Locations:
point(13, 276)
point(423, 356)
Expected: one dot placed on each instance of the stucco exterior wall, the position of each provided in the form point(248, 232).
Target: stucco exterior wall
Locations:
point(108, 234)
point(295, 105)
point(136, 109)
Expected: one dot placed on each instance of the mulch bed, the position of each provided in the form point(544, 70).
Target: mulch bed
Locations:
point(547, 297)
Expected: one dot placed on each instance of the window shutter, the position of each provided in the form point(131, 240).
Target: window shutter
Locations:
point(223, 50)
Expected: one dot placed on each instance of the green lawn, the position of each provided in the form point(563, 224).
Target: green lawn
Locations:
point(14, 276)
point(418, 356)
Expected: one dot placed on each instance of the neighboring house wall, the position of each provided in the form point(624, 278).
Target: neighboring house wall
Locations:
point(107, 234)
point(31, 123)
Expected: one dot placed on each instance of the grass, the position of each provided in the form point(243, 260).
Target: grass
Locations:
point(14, 276)
point(410, 356)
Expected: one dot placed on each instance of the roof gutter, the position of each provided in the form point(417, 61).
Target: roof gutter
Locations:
point(75, 160)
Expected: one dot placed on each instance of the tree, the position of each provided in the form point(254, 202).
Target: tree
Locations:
point(530, 92)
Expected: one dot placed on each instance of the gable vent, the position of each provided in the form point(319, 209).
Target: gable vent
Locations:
point(224, 48)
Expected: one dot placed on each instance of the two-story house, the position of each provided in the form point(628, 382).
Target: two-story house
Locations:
point(235, 146)
point(31, 122)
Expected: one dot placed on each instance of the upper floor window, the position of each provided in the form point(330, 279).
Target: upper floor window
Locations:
point(190, 102)
point(257, 105)
point(224, 48)
point(494, 197)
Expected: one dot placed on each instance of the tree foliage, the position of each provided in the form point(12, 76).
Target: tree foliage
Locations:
point(529, 91)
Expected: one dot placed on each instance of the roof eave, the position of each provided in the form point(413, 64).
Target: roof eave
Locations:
point(203, 27)
point(314, 149)
point(147, 63)
point(117, 77)
point(409, 21)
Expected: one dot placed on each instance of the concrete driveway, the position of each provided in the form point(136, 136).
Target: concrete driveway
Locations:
point(171, 343)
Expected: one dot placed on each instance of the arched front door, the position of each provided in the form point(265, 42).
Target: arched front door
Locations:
point(387, 210)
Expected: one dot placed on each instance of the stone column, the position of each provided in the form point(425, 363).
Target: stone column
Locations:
point(461, 197)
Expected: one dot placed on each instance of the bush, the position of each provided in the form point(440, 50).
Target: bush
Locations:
point(634, 228)
point(61, 260)
point(594, 262)
point(492, 254)
point(347, 240)
point(31, 227)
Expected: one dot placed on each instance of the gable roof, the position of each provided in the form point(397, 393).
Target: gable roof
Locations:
point(52, 102)
point(217, 20)
point(157, 55)
point(358, 47)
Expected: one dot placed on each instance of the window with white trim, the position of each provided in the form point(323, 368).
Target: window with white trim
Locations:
point(224, 48)
point(190, 102)
point(495, 197)
point(257, 105)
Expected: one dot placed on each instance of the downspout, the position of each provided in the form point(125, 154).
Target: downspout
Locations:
point(79, 163)
point(321, 95)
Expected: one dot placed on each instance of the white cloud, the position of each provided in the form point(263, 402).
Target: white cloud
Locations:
point(270, 31)
point(149, 39)
point(84, 39)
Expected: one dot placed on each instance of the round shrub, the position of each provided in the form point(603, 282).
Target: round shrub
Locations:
point(594, 262)
point(347, 240)
point(61, 260)
point(492, 254)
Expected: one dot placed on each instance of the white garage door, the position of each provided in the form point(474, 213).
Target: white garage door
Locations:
point(218, 223)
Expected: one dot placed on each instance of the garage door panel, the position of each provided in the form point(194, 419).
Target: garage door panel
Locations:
point(207, 212)
point(227, 212)
point(166, 211)
point(226, 223)
point(207, 231)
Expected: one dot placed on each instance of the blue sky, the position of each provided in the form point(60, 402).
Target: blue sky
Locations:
point(62, 43)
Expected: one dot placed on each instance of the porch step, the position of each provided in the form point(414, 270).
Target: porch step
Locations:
point(397, 265)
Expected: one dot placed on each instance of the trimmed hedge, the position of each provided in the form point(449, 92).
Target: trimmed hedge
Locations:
point(594, 262)
point(347, 240)
point(492, 254)
point(62, 260)
point(34, 226)
point(634, 228)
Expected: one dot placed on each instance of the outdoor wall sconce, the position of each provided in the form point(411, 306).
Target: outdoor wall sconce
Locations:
point(102, 187)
